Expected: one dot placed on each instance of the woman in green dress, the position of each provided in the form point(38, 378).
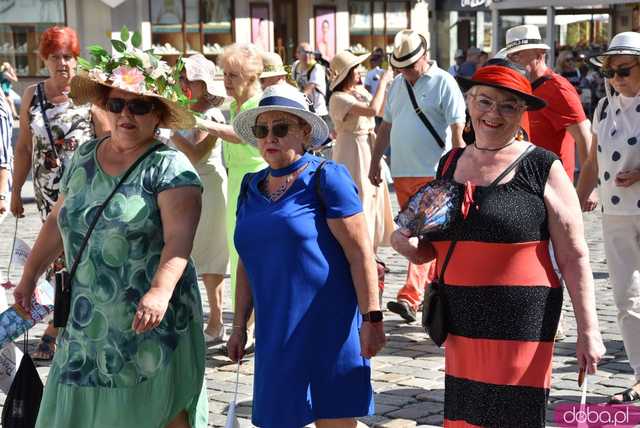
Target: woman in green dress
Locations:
point(242, 65)
point(132, 351)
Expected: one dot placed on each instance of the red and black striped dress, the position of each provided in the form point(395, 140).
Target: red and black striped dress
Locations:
point(504, 301)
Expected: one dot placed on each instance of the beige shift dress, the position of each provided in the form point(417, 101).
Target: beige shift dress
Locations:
point(354, 144)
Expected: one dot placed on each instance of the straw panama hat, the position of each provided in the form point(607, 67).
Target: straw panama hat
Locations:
point(408, 47)
point(341, 64)
point(626, 43)
point(285, 98)
point(200, 68)
point(523, 37)
point(273, 65)
point(134, 71)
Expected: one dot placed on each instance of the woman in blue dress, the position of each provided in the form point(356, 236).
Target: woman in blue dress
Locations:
point(307, 269)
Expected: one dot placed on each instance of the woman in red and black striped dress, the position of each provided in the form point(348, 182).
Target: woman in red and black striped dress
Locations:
point(503, 296)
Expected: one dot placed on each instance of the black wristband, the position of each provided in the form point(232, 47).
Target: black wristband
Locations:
point(372, 316)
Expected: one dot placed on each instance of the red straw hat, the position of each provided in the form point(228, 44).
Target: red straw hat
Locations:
point(506, 78)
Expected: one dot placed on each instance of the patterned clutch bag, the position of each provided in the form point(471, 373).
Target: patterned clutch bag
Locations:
point(433, 208)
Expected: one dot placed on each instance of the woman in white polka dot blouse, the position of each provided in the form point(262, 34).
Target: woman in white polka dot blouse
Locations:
point(614, 164)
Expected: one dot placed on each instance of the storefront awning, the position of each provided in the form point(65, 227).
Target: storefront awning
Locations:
point(529, 4)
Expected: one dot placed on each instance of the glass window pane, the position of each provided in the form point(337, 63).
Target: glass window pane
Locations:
point(35, 11)
point(360, 16)
point(166, 11)
point(397, 17)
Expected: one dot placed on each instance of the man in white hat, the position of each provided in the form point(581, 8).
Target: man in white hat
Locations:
point(418, 137)
point(562, 125)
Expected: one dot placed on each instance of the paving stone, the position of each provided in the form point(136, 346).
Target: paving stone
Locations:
point(396, 423)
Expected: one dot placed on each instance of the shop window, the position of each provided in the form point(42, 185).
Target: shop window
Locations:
point(189, 26)
point(21, 25)
point(375, 23)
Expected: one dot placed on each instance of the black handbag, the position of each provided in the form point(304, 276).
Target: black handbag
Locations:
point(62, 297)
point(435, 307)
point(21, 406)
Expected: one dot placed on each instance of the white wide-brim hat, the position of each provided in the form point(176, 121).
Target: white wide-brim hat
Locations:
point(273, 65)
point(285, 98)
point(341, 64)
point(408, 47)
point(627, 43)
point(200, 68)
point(523, 37)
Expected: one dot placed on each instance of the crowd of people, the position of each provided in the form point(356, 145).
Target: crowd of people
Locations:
point(143, 186)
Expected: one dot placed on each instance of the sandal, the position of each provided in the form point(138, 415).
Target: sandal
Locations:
point(46, 349)
point(628, 396)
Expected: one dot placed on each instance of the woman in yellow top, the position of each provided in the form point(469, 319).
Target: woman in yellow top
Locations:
point(242, 65)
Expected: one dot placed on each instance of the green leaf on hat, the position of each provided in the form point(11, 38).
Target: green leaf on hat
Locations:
point(136, 39)
point(84, 64)
point(134, 62)
point(118, 45)
point(124, 33)
point(97, 51)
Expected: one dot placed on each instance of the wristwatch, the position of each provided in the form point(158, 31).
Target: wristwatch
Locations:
point(372, 316)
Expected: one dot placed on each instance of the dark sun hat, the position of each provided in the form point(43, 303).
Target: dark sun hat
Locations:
point(502, 76)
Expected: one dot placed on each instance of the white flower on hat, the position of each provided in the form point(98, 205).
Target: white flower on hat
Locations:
point(144, 58)
point(98, 75)
point(162, 69)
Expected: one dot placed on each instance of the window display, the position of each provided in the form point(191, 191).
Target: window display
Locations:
point(375, 23)
point(21, 24)
point(201, 26)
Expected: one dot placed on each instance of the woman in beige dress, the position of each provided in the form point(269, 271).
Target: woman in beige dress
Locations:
point(353, 112)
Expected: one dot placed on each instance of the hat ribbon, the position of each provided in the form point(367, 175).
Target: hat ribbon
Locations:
point(523, 42)
point(409, 55)
point(503, 76)
point(280, 102)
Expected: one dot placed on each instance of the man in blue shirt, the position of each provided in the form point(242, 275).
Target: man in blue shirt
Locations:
point(471, 64)
point(416, 150)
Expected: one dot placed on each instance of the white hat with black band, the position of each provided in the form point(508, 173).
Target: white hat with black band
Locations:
point(523, 37)
point(408, 47)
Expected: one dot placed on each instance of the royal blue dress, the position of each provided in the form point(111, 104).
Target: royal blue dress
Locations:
point(307, 362)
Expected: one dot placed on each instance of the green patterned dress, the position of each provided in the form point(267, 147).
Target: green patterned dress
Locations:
point(104, 374)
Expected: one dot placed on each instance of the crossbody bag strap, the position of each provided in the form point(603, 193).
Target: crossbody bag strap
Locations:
point(45, 118)
point(422, 116)
point(101, 208)
point(492, 186)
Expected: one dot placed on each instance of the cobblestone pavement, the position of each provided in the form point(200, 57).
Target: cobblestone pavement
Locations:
point(408, 375)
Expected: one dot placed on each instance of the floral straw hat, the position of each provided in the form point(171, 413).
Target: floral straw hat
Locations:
point(136, 71)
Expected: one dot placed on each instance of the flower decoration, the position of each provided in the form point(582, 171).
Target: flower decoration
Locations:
point(133, 69)
point(128, 78)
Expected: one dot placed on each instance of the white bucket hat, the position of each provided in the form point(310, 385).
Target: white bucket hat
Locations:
point(341, 64)
point(273, 65)
point(627, 43)
point(285, 98)
point(200, 68)
point(523, 37)
point(408, 47)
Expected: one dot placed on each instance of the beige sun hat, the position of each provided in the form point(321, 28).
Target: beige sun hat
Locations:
point(523, 37)
point(200, 68)
point(273, 65)
point(408, 47)
point(341, 64)
point(135, 71)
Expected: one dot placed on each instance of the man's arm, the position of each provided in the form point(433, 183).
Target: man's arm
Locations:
point(581, 133)
point(456, 135)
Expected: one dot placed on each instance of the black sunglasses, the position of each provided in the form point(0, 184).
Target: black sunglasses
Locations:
point(136, 106)
point(609, 73)
point(280, 130)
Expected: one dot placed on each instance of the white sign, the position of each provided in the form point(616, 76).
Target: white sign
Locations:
point(113, 3)
point(21, 252)
point(473, 3)
point(10, 357)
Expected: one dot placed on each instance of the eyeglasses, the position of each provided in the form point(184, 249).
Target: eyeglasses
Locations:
point(609, 73)
point(506, 108)
point(280, 130)
point(136, 106)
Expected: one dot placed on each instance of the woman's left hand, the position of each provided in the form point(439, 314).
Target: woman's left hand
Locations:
point(151, 310)
point(589, 351)
point(372, 338)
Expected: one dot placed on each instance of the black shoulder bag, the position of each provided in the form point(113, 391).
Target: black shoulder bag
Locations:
point(62, 298)
point(422, 116)
point(434, 312)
